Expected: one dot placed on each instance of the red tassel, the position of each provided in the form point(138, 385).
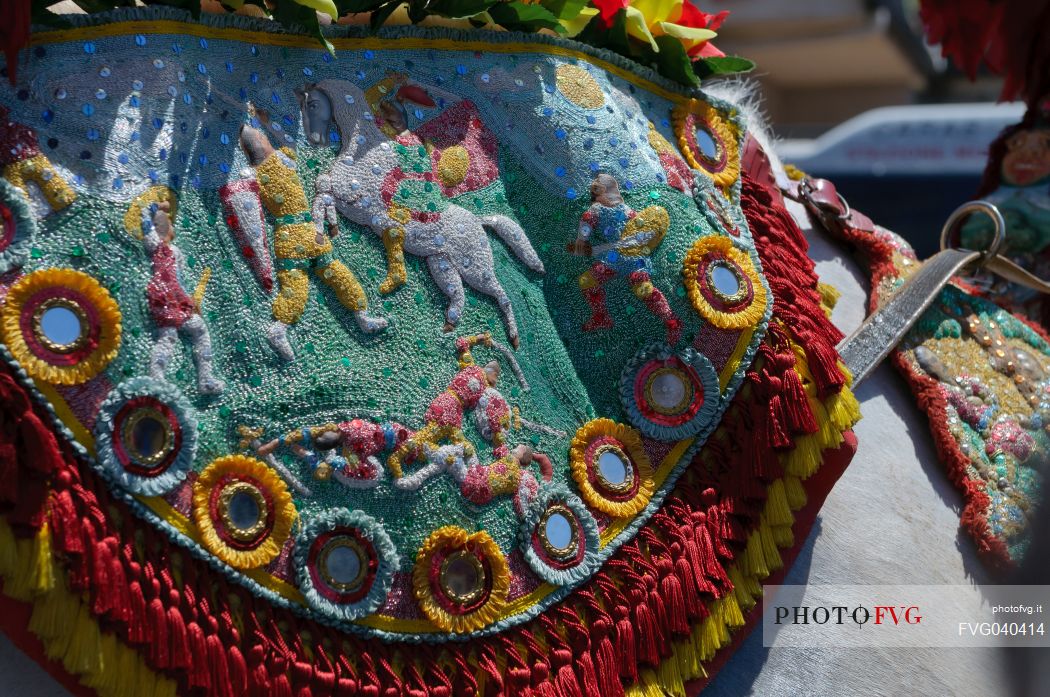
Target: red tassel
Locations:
point(238, 670)
point(645, 625)
point(8, 473)
point(36, 439)
point(181, 656)
point(438, 680)
point(463, 681)
point(198, 672)
point(671, 592)
point(564, 677)
point(158, 634)
point(606, 660)
point(626, 643)
point(103, 588)
point(580, 642)
point(518, 677)
point(219, 669)
point(137, 605)
point(493, 674)
point(258, 677)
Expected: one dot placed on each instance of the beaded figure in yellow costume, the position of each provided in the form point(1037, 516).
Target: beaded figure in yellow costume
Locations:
point(300, 245)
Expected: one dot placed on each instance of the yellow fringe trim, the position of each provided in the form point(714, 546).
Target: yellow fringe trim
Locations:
point(744, 318)
point(63, 622)
point(108, 318)
point(632, 445)
point(829, 297)
point(450, 539)
point(259, 475)
point(761, 553)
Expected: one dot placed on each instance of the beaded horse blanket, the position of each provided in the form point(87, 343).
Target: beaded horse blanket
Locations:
point(443, 368)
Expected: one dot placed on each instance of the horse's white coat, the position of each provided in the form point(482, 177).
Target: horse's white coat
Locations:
point(893, 518)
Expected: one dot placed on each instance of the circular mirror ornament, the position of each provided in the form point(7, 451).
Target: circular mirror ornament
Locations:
point(708, 141)
point(723, 284)
point(17, 227)
point(243, 511)
point(670, 395)
point(346, 563)
point(61, 325)
point(146, 436)
point(611, 468)
point(560, 538)
point(460, 579)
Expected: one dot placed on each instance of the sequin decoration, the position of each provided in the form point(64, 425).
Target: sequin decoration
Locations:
point(559, 536)
point(346, 563)
point(708, 141)
point(17, 227)
point(667, 395)
point(723, 284)
point(61, 325)
point(611, 468)
point(461, 579)
point(243, 511)
point(146, 436)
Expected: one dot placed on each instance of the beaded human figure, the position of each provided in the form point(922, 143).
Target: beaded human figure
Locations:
point(300, 245)
point(22, 162)
point(173, 309)
point(626, 239)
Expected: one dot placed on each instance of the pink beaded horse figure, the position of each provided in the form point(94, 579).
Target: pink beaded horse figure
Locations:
point(441, 445)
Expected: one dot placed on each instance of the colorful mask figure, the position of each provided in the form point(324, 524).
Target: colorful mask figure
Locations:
point(1023, 197)
point(300, 245)
point(620, 241)
point(172, 308)
point(22, 163)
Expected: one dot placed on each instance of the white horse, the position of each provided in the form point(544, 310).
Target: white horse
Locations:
point(455, 247)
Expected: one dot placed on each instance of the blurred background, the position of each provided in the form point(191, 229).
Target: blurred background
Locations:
point(856, 95)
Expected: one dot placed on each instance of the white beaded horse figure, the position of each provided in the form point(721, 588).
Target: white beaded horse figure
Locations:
point(455, 246)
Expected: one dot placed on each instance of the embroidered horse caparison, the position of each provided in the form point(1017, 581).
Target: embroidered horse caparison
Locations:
point(455, 246)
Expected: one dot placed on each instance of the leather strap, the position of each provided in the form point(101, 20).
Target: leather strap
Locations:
point(883, 329)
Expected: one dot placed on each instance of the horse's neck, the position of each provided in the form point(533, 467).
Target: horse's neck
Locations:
point(358, 135)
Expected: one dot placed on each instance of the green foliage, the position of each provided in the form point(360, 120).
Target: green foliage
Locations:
point(671, 60)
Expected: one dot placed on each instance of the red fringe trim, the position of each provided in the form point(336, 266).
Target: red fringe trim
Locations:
point(214, 637)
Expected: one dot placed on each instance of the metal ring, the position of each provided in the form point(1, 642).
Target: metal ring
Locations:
point(962, 212)
point(805, 190)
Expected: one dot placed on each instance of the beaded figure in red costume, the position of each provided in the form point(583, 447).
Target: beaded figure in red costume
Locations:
point(22, 162)
point(172, 308)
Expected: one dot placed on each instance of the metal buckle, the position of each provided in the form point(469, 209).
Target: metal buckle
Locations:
point(805, 191)
point(963, 212)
